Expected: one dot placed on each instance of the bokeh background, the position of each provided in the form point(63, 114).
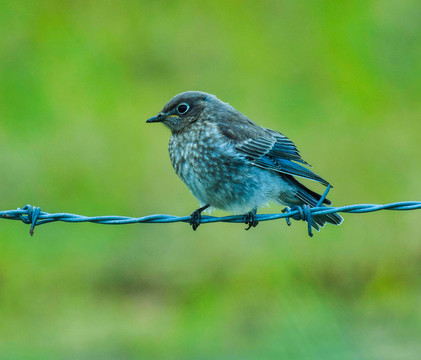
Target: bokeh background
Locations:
point(78, 79)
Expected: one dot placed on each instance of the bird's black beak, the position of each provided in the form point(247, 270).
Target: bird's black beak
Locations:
point(157, 118)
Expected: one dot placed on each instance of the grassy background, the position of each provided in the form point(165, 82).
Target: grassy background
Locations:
point(78, 79)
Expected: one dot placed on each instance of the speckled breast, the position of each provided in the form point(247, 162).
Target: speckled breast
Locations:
point(206, 162)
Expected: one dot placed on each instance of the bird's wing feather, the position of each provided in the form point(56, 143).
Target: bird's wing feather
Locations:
point(287, 167)
point(267, 149)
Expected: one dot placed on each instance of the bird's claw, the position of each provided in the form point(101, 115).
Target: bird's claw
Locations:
point(195, 218)
point(250, 220)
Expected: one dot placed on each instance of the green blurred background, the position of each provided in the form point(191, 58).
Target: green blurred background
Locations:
point(78, 79)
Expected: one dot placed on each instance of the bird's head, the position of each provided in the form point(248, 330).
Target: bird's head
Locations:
point(182, 110)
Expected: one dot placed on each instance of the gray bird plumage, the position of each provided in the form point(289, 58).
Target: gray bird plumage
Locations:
point(229, 162)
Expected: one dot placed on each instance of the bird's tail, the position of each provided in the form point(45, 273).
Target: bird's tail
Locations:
point(305, 196)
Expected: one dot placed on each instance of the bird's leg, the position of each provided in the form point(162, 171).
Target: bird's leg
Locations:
point(250, 219)
point(196, 216)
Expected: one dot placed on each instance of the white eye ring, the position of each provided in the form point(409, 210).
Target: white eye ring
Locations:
point(183, 108)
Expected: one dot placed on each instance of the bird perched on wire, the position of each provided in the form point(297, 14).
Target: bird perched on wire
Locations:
point(229, 162)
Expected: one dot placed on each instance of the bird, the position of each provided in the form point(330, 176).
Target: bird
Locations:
point(230, 163)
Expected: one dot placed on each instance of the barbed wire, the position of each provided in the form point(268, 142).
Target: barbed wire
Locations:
point(34, 216)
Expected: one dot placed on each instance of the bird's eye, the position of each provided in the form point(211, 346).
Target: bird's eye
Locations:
point(183, 108)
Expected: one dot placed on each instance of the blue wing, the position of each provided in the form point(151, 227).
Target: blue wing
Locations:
point(274, 151)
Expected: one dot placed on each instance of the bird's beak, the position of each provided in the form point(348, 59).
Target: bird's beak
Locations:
point(157, 118)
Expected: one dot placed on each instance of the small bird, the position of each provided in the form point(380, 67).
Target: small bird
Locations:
point(230, 163)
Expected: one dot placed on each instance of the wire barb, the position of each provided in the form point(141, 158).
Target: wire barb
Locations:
point(302, 213)
point(34, 216)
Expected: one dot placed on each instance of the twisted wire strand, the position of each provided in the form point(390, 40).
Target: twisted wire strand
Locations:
point(34, 216)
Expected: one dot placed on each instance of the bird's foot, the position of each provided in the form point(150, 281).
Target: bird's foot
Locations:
point(250, 219)
point(195, 219)
point(196, 216)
